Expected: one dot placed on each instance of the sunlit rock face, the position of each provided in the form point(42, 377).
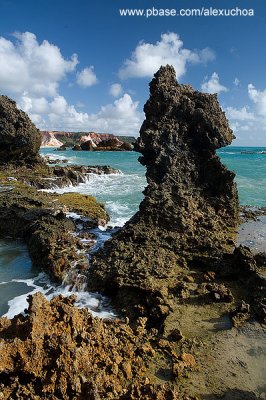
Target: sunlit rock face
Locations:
point(20, 140)
point(190, 208)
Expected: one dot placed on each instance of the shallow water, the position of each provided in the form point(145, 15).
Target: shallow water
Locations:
point(121, 194)
point(124, 192)
point(18, 279)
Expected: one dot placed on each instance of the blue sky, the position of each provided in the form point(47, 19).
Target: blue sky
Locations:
point(78, 65)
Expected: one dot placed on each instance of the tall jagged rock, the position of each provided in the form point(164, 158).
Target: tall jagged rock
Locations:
point(20, 140)
point(190, 209)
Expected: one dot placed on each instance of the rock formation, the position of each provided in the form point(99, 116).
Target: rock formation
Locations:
point(87, 141)
point(20, 140)
point(190, 209)
point(97, 138)
point(89, 145)
point(60, 352)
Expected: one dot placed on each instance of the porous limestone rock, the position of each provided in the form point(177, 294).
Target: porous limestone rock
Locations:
point(20, 140)
point(190, 209)
point(60, 352)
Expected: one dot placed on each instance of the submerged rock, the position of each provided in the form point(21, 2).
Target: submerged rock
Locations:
point(190, 210)
point(20, 140)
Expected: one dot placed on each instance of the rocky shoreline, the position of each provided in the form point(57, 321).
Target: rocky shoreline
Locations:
point(173, 272)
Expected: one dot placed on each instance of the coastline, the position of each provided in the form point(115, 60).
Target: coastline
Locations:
point(183, 292)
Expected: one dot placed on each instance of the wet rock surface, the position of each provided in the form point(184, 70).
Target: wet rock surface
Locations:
point(20, 140)
point(190, 210)
point(40, 219)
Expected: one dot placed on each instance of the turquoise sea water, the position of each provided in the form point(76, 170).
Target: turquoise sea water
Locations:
point(248, 163)
point(121, 193)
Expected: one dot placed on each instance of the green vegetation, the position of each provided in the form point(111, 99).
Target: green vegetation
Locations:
point(84, 205)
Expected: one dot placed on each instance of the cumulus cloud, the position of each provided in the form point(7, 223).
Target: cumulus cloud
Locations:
point(116, 89)
point(87, 77)
point(31, 73)
point(147, 58)
point(249, 122)
point(213, 85)
point(242, 114)
point(259, 99)
point(121, 117)
point(27, 65)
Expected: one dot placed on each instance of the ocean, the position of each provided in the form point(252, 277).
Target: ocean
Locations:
point(121, 194)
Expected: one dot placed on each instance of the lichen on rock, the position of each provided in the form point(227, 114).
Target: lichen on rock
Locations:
point(20, 140)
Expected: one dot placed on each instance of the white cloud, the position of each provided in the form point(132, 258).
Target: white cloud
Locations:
point(31, 72)
point(242, 114)
point(147, 57)
point(249, 122)
point(213, 85)
point(27, 65)
point(116, 90)
point(87, 77)
point(122, 117)
point(259, 99)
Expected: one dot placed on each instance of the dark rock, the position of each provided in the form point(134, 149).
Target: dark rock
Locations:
point(241, 314)
point(56, 161)
point(87, 146)
point(58, 176)
point(20, 140)
point(62, 148)
point(219, 293)
point(126, 146)
point(190, 210)
point(76, 147)
point(113, 142)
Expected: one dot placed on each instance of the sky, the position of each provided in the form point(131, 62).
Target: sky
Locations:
point(80, 66)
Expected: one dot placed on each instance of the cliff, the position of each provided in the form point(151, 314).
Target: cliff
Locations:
point(92, 140)
point(49, 140)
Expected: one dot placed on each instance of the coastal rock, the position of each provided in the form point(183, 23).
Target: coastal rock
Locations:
point(190, 210)
point(60, 352)
point(76, 147)
point(96, 138)
point(63, 147)
point(40, 219)
point(20, 140)
point(113, 142)
point(58, 176)
point(88, 145)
